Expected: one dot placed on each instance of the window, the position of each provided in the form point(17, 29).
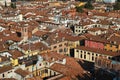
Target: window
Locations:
point(60, 50)
point(54, 73)
point(65, 50)
point(95, 25)
point(81, 51)
point(40, 64)
point(9, 71)
point(77, 50)
point(46, 71)
point(3, 75)
point(65, 44)
point(50, 72)
point(46, 63)
point(60, 45)
point(61, 60)
point(96, 54)
point(55, 46)
point(81, 55)
point(84, 56)
point(92, 58)
point(109, 58)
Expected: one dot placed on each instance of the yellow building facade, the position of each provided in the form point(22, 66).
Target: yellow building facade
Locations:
point(110, 47)
point(14, 62)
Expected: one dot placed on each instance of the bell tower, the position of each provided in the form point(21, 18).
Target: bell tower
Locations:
point(24, 31)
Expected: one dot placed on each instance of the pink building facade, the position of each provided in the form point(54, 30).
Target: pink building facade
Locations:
point(94, 44)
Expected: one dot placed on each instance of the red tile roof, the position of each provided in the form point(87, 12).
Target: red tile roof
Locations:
point(34, 46)
point(15, 53)
point(3, 47)
point(22, 72)
point(4, 58)
point(62, 35)
point(7, 79)
point(40, 33)
point(5, 69)
point(96, 29)
point(35, 78)
point(65, 78)
point(52, 55)
point(71, 68)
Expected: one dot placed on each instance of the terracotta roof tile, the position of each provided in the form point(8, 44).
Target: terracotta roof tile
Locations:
point(69, 70)
point(22, 72)
point(40, 33)
point(8, 79)
point(115, 39)
point(3, 47)
point(15, 53)
point(71, 65)
point(5, 69)
point(34, 46)
point(52, 55)
point(34, 78)
point(65, 70)
point(65, 78)
point(3, 58)
point(61, 35)
point(96, 29)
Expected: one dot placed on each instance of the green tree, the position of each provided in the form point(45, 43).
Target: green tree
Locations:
point(118, 0)
point(79, 8)
point(13, 5)
point(117, 6)
point(88, 5)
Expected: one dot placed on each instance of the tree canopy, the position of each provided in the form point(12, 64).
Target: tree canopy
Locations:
point(79, 8)
point(118, 0)
point(13, 5)
point(88, 5)
point(117, 6)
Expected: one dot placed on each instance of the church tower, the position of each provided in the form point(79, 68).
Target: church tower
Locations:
point(24, 31)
